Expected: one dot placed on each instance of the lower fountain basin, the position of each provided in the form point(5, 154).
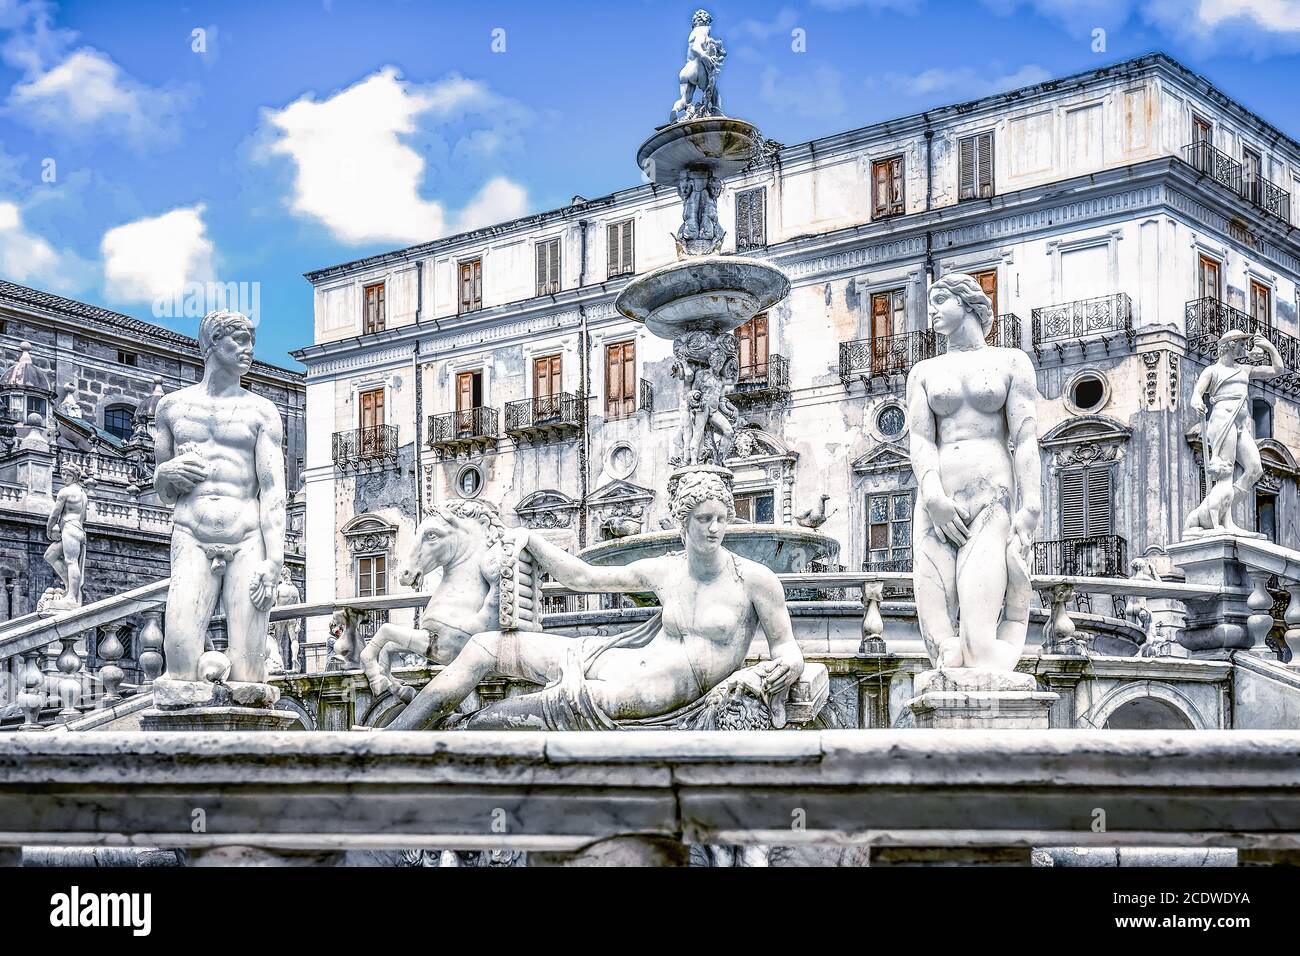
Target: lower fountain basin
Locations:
point(706, 293)
point(782, 548)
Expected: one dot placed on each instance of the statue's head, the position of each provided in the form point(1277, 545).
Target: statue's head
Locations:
point(954, 298)
point(1219, 468)
point(702, 18)
point(453, 531)
point(1236, 343)
point(71, 471)
point(702, 505)
point(227, 337)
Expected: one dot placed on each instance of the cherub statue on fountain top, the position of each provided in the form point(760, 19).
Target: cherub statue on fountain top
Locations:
point(704, 56)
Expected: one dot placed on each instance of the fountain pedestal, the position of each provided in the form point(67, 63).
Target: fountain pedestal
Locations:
point(962, 698)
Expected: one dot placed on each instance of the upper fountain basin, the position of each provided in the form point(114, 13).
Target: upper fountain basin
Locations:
point(707, 293)
point(782, 548)
point(721, 145)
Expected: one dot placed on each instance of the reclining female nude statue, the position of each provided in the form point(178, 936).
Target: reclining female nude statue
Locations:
point(693, 650)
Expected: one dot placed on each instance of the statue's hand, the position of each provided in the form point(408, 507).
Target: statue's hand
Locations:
point(777, 676)
point(261, 589)
point(183, 473)
point(1198, 403)
point(948, 518)
point(1023, 526)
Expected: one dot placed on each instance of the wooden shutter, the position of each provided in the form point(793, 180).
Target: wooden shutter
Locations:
point(984, 159)
point(555, 265)
point(620, 380)
point(619, 247)
point(465, 391)
point(887, 186)
point(975, 166)
point(1085, 503)
point(372, 408)
point(1202, 131)
point(750, 218)
point(547, 376)
point(471, 285)
point(1208, 278)
point(1261, 304)
point(541, 268)
point(374, 308)
point(966, 168)
point(989, 283)
point(751, 340)
point(613, 259)
point(627, 261)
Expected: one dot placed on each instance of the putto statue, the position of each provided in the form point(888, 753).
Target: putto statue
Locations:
point(220, 464)
point(66, 527)
point(1228, 432)
point(974, 449)
point(683, 667)
point(704, 56)
point(284, 634)
point(700, 232)
point(708, 366)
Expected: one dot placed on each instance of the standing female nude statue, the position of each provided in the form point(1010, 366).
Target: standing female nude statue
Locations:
point(974, 448)
point(712, 601)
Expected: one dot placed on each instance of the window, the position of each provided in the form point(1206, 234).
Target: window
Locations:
point(371, 405)
point(471, 286)
point(1266, 515)
point(887, 313)
point(988, 280)
point(752, 341)
point(619, 235)
point(889, 530)
point(751, 218)
point(887, 187)
point(35, 406)
point(548, 267)
point(975, 166)
point(469, 482)
point(548, 383)
point(374, 313)
point(1085, 503)
point(758, 507)
point(1251, 171)
point(127, 358)
point(1202, 131)
point(469, 390)
point(1208, 283)
point(620, 380)
point(1261, 304)
point(118, 421)
point(372, 575)
point(891, 420)
point(1261, 413)
point(1088, 392)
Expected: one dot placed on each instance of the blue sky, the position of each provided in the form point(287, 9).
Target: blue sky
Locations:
point(137, 155)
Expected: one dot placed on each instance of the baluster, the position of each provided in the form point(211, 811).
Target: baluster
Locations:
point(151, 647)
point(111, 651)
point(70, 689)
point(1292, 618)
point(32, 699)
point(873, 626)
point(1260, 621)
point(1058, 633)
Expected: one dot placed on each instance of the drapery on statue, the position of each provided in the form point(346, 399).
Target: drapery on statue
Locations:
point(704, 56)
point(708, 366)
point(683, 667)
point(220, 464)
point(66, 527)
point(974, 448)
point(1228, 432)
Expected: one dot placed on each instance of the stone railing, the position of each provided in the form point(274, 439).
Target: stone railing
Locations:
point(12, 492)
point(128, 513)
point(113, 471)
point(641, 798)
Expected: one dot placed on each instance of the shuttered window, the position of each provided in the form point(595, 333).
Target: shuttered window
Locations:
point(548, 267)
point(374, 309)
point(975, 166)
point(1085, 503)
point(372, 575)
point(372, 408)
point(620, 380)
point(751, 218)
point(469, 391)
point(619, 235)
point(1261, 304)
point(1208, 278)
point(471, 285)
point(547, 375)
point(887, 187)
point(751, 339)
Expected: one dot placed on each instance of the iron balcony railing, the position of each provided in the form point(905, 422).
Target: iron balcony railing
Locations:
point(647, 396)
point(1005, 332)
point(764, 378)
point(544, 411)
point(464, 425)
point(1095, 556)
point(1103, 316)
point(903, 565)
point(1208, 319)
point(1223, 169)
point(886, 355)
point(360, 445)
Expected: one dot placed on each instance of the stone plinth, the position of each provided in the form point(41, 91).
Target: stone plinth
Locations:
point(964, 698)
point(217, 718)
point(1233, 570)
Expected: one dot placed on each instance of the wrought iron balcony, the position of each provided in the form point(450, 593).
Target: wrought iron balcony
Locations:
point(1005, 332)
point(1223, 169)
point(1095, 556)
point(364, 446)
point(763, 381)
point(885, 355)
point(544, 415)
point(469, 429)
point(1107, 317)
point(646, 394)
point(902, 565)
point(1207, 320)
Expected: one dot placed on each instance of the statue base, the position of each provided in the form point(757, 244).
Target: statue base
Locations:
point(170, 693)
point(217, 718)
point(961, 698)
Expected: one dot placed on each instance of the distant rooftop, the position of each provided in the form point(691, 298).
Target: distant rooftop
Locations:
point(12, 293)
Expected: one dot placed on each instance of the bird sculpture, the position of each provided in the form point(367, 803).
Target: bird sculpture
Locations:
point(814, 518)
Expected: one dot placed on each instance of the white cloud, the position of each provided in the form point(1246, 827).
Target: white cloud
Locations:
point(965, 82)
point(28, 259)
point(783, 23)
point(356, 172)
point(1277, 16)
point(1205, 25)
point(876, 6)
point(151, 259)
point(814, 93)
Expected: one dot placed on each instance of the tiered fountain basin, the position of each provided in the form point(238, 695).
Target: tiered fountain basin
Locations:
point(718, 144)
point(712, 294)
point(782, 548)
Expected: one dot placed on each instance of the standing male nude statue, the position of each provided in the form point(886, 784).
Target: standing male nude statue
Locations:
point(66, 527)
point(220, 465)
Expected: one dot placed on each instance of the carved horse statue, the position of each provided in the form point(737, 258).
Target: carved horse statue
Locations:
point(487, 584)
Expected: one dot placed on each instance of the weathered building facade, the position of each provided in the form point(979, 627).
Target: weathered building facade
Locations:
point(1121, 219)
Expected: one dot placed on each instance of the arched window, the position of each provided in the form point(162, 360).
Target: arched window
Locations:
point(118, 421)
